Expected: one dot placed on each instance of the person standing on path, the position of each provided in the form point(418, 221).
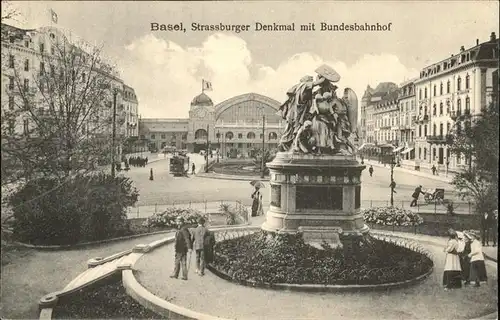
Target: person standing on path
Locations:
point(370, 170)
point(415, 195)
point(433, 170)
point(256, 201)
point(452, 275)
point(463, 253)
point(193, 169)
point(477, 266)
point(183, 246)
point(486, 224)
point(199, 235)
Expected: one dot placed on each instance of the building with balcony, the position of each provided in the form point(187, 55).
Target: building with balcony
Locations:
point(32, 61)
point(407, 119)
point(448, 94)
point(380, 119)
point(234, 127)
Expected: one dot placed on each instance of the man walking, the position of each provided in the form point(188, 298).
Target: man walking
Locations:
point(393, 186)
point(433, 170)
point(415, 195)
point(371, 171)
point(183, 246)
point(199, 242)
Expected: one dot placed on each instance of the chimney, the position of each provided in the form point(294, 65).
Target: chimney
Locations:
point(477, 42)
point(462, 49)
point(493, 37)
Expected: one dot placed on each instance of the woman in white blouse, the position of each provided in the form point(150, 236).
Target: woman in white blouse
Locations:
point(452, 276)
point(477, 266)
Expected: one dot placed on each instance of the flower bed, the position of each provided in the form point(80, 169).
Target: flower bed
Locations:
point(264, 258)
point(392, 216)
point(105, 302)
point(166, 219)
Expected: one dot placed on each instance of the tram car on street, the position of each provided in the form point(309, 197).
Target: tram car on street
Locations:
point(179, 165)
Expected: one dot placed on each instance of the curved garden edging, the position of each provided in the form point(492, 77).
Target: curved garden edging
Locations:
point(86, 244)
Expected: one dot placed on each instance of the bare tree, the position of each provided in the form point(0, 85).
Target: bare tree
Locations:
point(8, 11)
point(57, 120)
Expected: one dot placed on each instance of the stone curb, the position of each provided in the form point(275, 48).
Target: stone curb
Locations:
point(86, 244)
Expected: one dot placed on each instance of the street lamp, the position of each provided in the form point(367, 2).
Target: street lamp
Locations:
point(218, 145)
point(113, 139)
point(207, 151)
point(262, 165)
point(393, 164)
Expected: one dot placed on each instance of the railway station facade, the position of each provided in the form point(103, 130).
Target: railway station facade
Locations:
point(235, 127)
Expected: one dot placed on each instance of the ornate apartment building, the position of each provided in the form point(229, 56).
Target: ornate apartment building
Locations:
point(407, 117)
point(417, 118)
point(449, 93)
point(25, 57)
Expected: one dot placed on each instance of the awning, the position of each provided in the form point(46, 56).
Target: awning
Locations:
point(398, 149)
point(406, 151)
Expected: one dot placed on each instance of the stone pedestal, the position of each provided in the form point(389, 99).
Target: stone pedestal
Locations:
point(318, 195)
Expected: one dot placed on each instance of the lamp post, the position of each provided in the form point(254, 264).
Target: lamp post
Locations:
point(206, 153)
point(393, 164)
point(262, 165)
point(218, 145)
point(113, 139)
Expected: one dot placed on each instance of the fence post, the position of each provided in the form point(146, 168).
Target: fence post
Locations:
point(205, 206)
point(371, 203)
point(156, 206)
point(190, 204)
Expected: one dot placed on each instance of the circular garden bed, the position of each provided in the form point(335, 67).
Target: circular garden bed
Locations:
point(245, 168)
point(264, 259)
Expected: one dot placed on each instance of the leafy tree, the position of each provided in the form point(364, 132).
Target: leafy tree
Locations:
point(477, 139)
point(269, 155)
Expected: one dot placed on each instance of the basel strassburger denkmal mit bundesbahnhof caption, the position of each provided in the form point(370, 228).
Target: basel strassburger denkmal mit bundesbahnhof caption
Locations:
point(270, 27)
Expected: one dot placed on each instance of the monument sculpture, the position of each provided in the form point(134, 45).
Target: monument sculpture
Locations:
point(315, 177)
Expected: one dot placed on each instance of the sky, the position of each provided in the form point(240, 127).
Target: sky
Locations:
point(166, 68)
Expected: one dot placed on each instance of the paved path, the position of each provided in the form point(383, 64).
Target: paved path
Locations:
point(428, 300)
point(440, 177)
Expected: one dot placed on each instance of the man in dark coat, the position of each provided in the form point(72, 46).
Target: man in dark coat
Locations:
point(208, 246)
point(183, 246)
point(199, 242)
point(371, 171)
point(415, 195)
point(486, 224)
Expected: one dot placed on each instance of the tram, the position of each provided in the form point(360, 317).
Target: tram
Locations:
point(179, 165)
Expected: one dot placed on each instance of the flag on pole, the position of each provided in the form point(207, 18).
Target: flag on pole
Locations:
point(53, 15)
point(206, 85)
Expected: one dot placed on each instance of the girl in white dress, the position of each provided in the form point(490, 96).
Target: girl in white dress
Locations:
point(452, 276)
